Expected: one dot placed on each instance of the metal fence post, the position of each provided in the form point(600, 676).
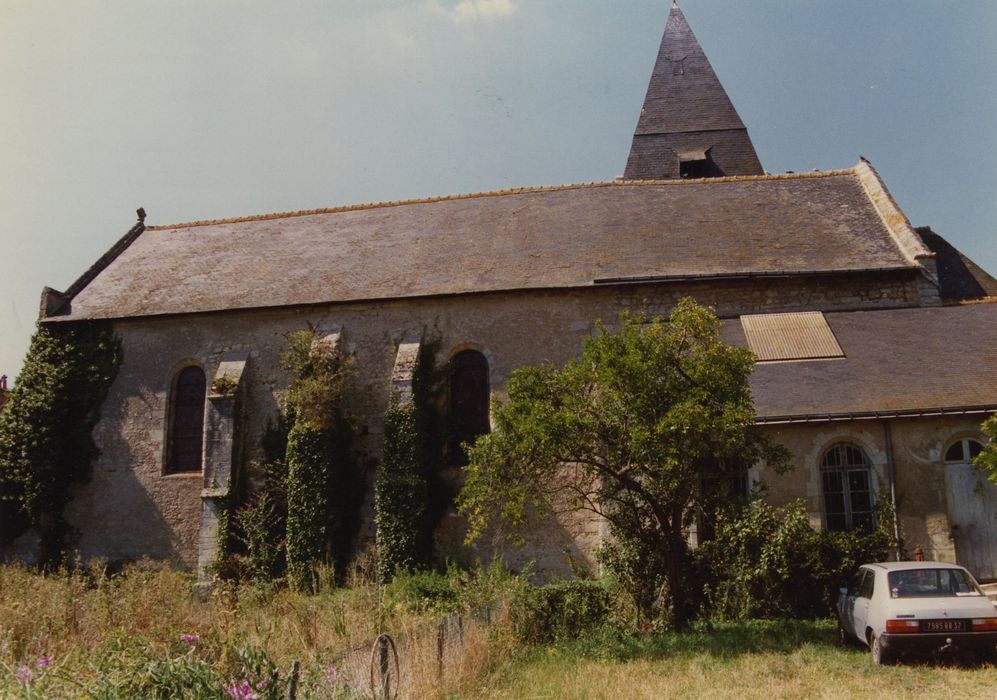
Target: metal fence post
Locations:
point(441, 636)
point(385, 669)
point(292, 682)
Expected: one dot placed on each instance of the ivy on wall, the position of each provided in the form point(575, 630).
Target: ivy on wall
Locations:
point(409, 497)
point(399, 492)
point(309, 466)
point(320, 483)
point(46, 442)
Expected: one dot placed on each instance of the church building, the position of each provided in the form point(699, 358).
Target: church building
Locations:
point(876, 340)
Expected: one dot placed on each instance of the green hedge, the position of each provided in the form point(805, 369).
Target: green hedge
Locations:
point(768, 562)
point(46, 444)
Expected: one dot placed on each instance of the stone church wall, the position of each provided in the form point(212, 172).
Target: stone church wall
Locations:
point(130, 508)
point(918, 448)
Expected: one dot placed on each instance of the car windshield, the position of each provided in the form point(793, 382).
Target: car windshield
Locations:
point(931, 583)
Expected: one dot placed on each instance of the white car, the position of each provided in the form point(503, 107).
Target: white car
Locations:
point(917, 606)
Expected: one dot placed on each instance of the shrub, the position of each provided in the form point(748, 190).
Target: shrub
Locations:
point(565, 610)
point(423, 590)
point(260, 527)
point(319, 371)
point(768, 562)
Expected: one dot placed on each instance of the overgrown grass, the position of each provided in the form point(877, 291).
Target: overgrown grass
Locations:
point(145, 633)
point(758, 659)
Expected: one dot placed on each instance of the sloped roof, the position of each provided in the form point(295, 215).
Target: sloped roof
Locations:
point(959, 277)
point(684, 93)
point(896, 361)
point(534, 238)
point(687, 110)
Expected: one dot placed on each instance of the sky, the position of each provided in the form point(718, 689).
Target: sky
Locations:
point(210, 109)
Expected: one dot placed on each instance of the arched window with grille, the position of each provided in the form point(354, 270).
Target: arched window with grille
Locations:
point(846, 478)
point(186, 421)
point(470, 393)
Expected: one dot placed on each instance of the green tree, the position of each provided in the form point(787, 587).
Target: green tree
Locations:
point(987, 459)
point(623, 432)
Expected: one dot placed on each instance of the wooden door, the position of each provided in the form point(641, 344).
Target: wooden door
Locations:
point(972, 502)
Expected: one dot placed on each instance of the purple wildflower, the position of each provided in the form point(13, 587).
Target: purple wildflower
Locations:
point(241, 691)
point(190, 638)
point(330, 674)
point(44, 661)
point(24, 674)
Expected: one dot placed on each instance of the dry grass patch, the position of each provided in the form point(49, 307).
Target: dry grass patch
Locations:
point(144, 633)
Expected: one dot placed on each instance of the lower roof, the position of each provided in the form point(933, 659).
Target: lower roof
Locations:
point(896, 362)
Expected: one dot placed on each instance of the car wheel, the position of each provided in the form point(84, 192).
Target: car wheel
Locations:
point(987, 655)
point(881, 656)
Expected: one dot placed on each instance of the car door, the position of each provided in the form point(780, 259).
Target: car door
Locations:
point(860, 614)
point(848, 608)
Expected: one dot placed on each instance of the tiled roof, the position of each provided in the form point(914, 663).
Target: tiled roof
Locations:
point(896, 361)
point(684, 93)
point(687, 109)
point(959, 277)
point(555, 237)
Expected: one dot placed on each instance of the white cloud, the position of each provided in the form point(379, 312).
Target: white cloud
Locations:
point(477, 10)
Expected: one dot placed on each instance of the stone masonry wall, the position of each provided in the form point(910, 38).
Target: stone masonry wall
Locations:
point(131, 509)
point(918, 448)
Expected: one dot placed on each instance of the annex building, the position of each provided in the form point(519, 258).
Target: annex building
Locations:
point(876, 340)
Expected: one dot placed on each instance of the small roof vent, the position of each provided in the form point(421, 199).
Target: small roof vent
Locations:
point(794, 336)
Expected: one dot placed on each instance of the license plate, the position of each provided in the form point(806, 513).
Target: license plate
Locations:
point(943, 625)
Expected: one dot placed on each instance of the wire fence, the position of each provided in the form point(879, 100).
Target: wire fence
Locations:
point(416, 663)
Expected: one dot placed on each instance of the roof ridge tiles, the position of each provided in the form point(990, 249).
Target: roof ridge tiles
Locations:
point(529, 189)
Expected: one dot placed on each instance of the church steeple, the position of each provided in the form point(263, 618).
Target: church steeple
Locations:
point(688, 126)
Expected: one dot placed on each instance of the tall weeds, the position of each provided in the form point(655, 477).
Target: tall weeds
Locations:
point(145, 633)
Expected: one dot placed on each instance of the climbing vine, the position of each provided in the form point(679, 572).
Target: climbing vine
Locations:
point(46, 444)
point(309, 465)
point(399, 492)
point(987, 459)
point(318, 522)
point(409, 497)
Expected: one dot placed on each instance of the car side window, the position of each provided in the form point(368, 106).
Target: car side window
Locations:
point(855, 585)
point(868, 585)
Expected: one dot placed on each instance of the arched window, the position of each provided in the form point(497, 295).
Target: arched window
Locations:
point(469, 399)
point(846, 477)
point(186, 429)
point(963, 451)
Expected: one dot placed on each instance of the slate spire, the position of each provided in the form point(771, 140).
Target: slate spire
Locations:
point(688, 126)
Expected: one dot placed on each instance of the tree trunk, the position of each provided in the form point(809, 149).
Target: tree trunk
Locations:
point(676, 574)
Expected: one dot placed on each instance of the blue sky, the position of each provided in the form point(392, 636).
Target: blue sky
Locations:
point(233, 107)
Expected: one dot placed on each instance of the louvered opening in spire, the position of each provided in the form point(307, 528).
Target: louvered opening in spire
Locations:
point(687, 110)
